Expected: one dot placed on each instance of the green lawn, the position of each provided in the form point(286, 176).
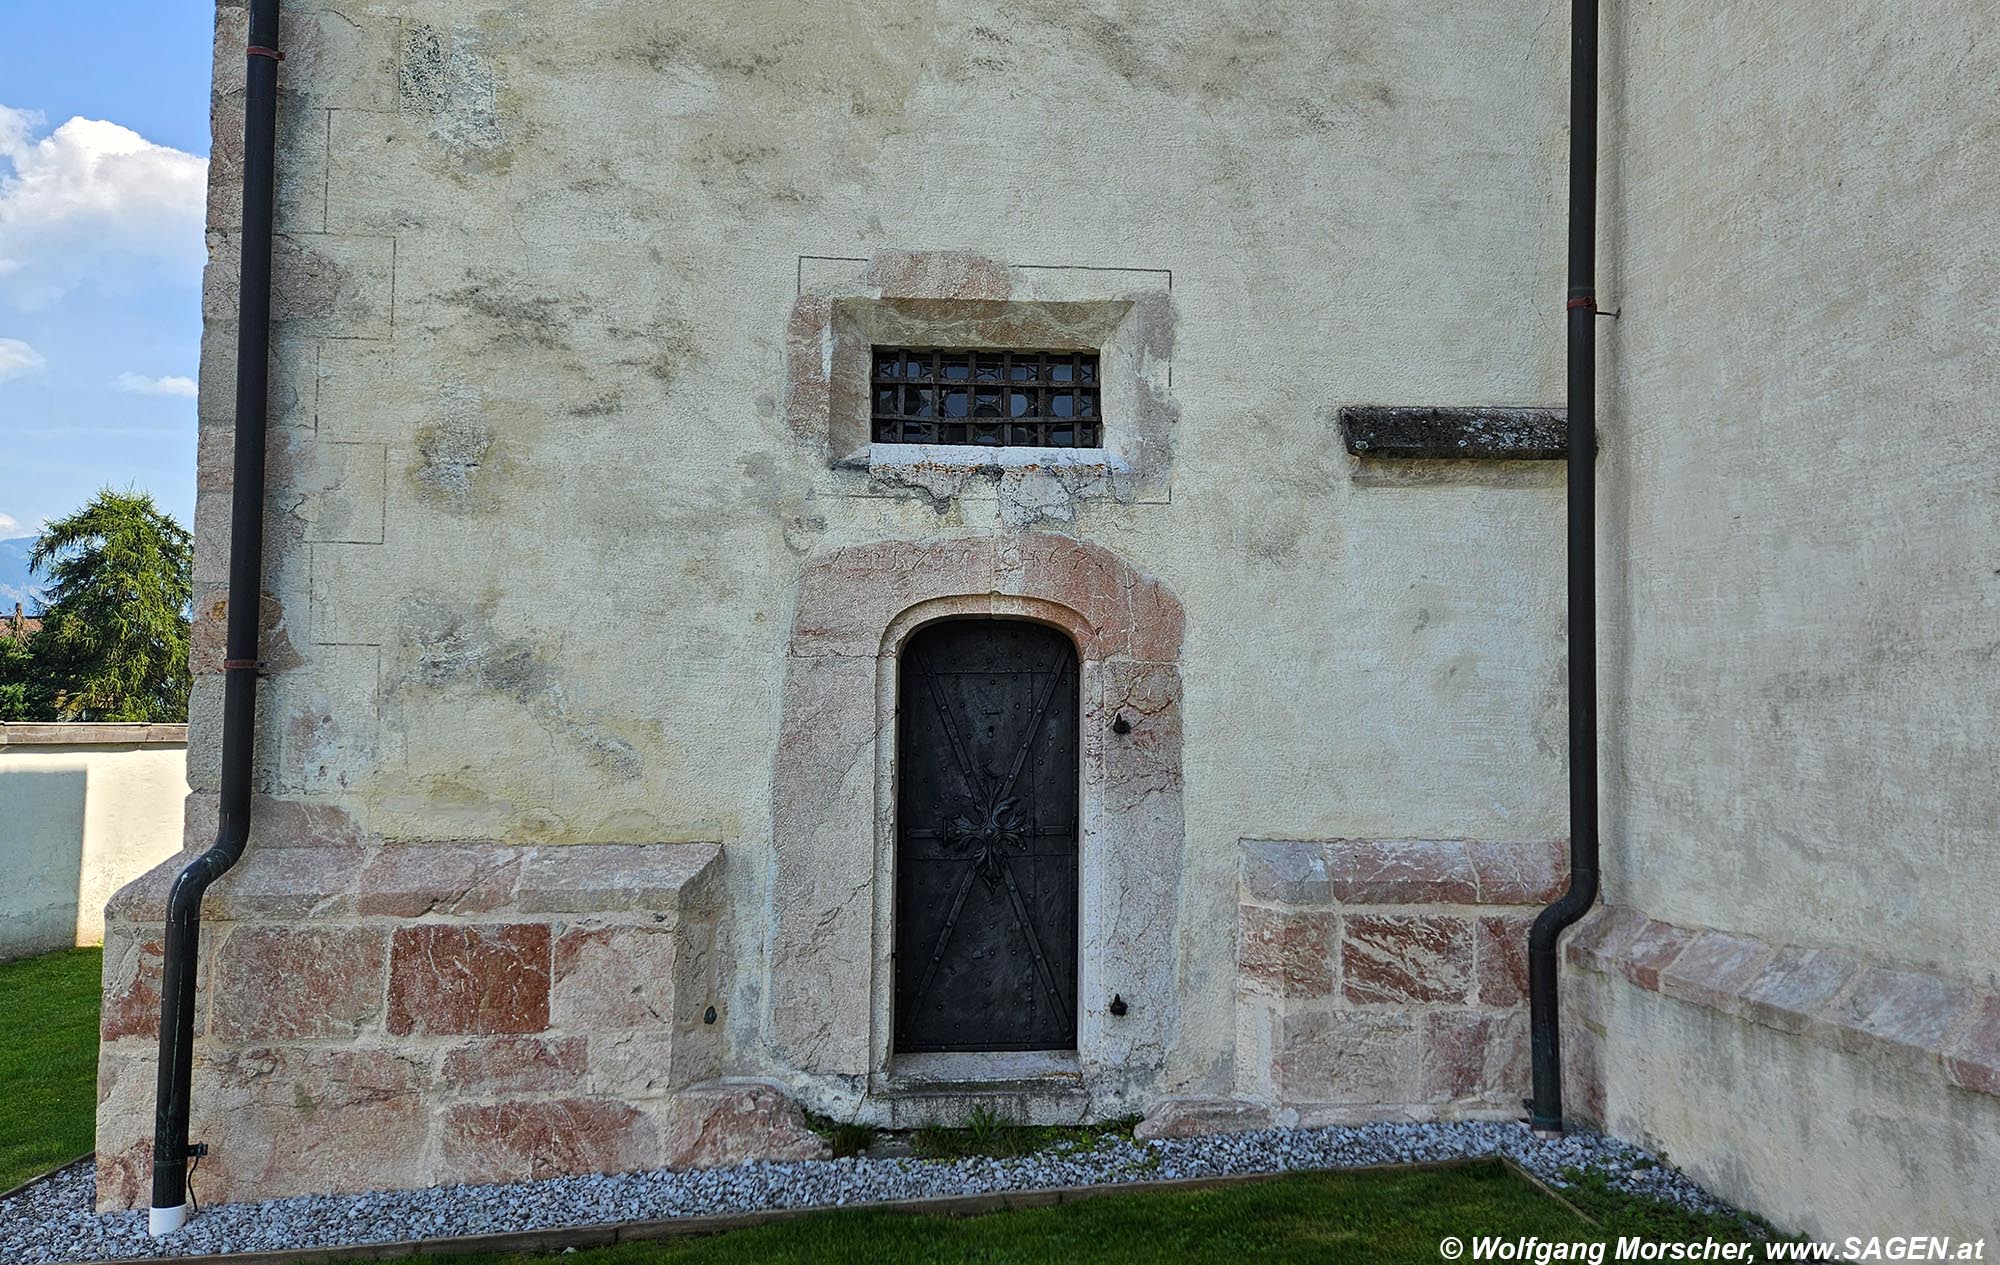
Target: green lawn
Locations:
point(48, 1061)
point(1381, 1216)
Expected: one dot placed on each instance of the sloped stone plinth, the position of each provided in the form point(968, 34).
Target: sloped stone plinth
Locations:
point(374, 1016)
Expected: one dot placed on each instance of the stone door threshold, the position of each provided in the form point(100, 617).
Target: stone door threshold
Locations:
point(969, 1068)
point(556, 1239)
point(1037, 1087)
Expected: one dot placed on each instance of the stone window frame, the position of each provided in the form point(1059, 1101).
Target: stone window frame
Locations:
point(834, 801)
point(847, 307)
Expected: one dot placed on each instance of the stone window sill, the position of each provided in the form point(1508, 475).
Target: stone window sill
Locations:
point(891, 458)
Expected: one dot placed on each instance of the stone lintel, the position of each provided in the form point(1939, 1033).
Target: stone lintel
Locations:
point(1455, 433)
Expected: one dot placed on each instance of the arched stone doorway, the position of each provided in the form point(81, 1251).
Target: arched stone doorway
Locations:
point(834, 804)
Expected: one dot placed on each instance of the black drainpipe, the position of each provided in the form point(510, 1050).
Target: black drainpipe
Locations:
point(1545, 1108)
point(246, 568)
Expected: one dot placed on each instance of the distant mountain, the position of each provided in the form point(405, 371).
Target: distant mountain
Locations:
point(16, 585)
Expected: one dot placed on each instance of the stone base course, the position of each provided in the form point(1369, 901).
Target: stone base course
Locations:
point(1378, 979)
point(1822, 995)
point(377, 1016)
point(728, 1122)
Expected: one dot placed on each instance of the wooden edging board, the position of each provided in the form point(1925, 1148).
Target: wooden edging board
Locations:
point(555, 1239)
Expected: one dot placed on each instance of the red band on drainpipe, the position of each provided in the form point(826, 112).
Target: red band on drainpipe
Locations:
point(1587, 301)
point(258, 50)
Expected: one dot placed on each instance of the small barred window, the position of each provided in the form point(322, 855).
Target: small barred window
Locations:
point(986, 396)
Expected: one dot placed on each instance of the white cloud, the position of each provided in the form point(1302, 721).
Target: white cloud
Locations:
point(18, 359)
point(92, 200)
point(9, 526)
point(140, 384)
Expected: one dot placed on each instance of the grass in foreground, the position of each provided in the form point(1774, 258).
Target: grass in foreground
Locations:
point(48, 1061)
point(1621, 1214)
point(1383, 1217)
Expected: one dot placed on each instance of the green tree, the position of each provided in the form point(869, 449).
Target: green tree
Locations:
point(23, 692)
point(114, 640)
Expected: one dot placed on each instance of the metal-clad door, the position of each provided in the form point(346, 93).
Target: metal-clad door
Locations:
point(986, 847)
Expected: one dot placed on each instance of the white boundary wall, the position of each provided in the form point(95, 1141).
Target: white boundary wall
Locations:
point(84, 810)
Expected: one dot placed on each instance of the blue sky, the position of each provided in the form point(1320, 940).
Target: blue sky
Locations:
point(103, 141)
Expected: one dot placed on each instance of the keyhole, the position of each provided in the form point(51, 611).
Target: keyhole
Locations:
point(1121, 725)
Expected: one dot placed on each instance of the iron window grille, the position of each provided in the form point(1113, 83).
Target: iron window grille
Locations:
point(986, 397)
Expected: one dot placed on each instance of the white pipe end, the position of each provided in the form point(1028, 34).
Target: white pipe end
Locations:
point(164, 1221)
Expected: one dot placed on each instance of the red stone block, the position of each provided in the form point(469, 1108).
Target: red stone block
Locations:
point(1972, 1059)
point(453, 980)
point(1406, 959)
point(614, 977)
point(1158, 624)
point(1468, 1055)
point(1197, 1117)
point(1795, 986)
point(526, 1141)
point(131, 1005)
point(1583, 1073)
point(295, 823)
point(1715, 970)
point(410, 880)
point(295, 1119)
point(1283, 954)
point(278, 983)
point(1651, 950)
point(1401, 872)
point(598, 878)
point(1285, 871)
point(1346, 1056)
point(716, 1126)
point(125, 1177)
point(939, 274)
point(1088, 579)
point(1501, 942)
point(1902, 1009)
point(286, 883)
point(808, 403)
point(1594, 942)
point(1518, 873)
point(514, 1065)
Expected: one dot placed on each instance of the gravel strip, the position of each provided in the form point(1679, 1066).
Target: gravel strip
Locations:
point(54, 1221)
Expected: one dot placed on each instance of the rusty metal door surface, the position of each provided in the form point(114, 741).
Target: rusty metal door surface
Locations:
point(986, 838)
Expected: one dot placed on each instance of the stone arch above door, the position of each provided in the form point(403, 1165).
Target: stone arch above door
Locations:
point(833, 796)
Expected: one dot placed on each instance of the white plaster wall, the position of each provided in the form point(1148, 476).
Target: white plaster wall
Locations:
point(1820, 1141)
point(80, 817)
point(1802, 475)
point(537, 514)
point(1801, 570)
